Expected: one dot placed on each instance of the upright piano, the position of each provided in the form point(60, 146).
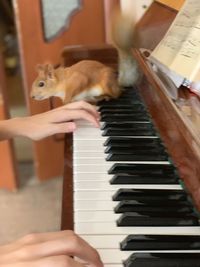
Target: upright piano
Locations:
point(132, 188)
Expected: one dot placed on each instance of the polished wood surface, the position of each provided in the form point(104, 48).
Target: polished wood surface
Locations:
point(104, 53)
point(177, 4)
point(109, 6)
point(67, 221)
point(153, 25)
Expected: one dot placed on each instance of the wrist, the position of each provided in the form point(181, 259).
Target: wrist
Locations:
point(11, 128)
point(6, 131)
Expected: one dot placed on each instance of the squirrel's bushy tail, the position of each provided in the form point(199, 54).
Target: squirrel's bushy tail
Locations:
point(123, 38)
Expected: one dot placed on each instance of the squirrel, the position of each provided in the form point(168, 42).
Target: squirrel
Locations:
point(91, 80)
point(87, 80)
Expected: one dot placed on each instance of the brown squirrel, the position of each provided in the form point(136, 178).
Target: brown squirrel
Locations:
point(91, 80)
point(86, 80)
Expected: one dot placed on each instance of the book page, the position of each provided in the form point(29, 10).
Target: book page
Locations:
point(179, 50)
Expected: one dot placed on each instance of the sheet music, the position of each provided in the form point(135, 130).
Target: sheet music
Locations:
point(179, 50)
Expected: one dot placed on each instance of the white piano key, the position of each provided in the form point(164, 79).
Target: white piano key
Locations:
point(89, 168)
point(114, 256)
point(93, 145)
point(84, 123)
point(104, 241)
point(88, 205)
point(91, 160)
point(95, 216)
point(84, 137)
point(105, 186)
point(98, 139)
point(93, 195)
point(92, 176)
point(102, 160)
point(109, 228)
point(88, 154)
point(83, 130)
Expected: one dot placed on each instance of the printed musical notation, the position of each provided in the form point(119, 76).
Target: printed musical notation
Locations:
point(179, 50)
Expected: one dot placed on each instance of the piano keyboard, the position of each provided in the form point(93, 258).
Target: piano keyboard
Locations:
point(128, 202)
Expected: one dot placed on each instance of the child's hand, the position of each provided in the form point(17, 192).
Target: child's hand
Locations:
point(58, 120)
point(49, 249)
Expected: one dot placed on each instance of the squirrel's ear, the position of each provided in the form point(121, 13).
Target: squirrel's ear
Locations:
point(40, 68)
point(50, 71)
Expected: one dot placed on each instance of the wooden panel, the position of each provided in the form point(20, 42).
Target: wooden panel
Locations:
point(8, 169)
point(106, 54)
point(109, 6)
point(171, 3)
point(87, 27)
point(153, 25)
point(67, 221)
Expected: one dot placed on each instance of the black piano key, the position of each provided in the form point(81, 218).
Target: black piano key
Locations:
point(138, 150)
point(128, 132)
point(132, 141)
point(117, 102)
point(127, 125)
point(122, 111)
point(143, 169)
point(135, 107)
point(156, 201)
point(160, 242)
point(152, 195)
point(139, 179)
point(136, 157)
point(137, 116)
point(163, 260)
point(156, 219)
point(132, 206)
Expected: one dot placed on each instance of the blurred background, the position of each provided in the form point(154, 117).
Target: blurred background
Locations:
point(33, 32)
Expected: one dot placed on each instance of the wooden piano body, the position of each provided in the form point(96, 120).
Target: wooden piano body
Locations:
point(180, 132)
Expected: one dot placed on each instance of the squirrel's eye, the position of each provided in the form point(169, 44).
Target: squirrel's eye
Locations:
point(41, 84)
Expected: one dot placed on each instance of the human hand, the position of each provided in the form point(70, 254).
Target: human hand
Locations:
point(49, 249)
point(58, 120)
